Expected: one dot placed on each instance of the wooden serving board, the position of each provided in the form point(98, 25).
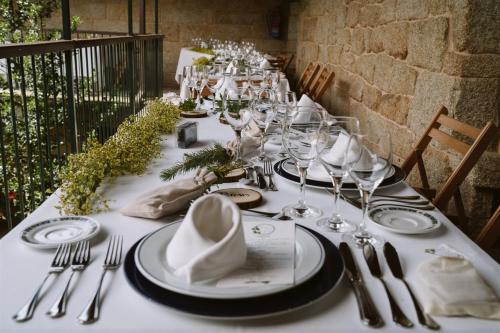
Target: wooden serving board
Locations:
point(245, 198)
point(194, 114)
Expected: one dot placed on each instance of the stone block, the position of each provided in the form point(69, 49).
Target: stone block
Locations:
point(370, 15)
point(365, 66)
point(358, 40)
point(472, 65)
point(383, 71)
point(394, 107)
point(389, 11)
point(347, 59)
point(309, 28)
point(431, 91)
point(411, 9)
point(334, 52)
point(371, 96)
point(478, 26)
point(376, 43)
point(322, 28)
point(340, 15)
point(343, 37)
point(427, 43)
point(486, 173)
point(403, 79)
point(437, 7)
point(353, 10)
point(395, 39)
point(477, 101)
point(356, 88)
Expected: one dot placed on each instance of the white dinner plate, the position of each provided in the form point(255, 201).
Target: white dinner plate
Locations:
point(404, 220)
point(317, 172)
point(151, 261)
point(52, 232)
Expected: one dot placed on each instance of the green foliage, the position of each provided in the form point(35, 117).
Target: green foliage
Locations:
point(200, 62)
point(215, 158)
point(128, 151)
point(203, 50)
point(187, 105)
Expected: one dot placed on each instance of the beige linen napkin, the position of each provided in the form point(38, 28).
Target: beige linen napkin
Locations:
point(210, 242)
point(168, 199)
point(452, 287)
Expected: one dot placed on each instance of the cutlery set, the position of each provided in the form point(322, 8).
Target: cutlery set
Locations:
point(368, 312)
point(256, 175)
point(79, 261)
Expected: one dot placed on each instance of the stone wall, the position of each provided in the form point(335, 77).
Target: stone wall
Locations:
point(182, 20)
point(397, 61)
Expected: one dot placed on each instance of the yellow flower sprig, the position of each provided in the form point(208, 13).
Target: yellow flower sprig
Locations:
point(129, 151)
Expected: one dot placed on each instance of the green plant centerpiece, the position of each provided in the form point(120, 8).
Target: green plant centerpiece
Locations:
point(129, 151)
point(200, 62)
point(203, 50)
point(217, 159)
point(187, 105)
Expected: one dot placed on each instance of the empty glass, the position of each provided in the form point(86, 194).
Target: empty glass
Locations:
point(263, 105)
point(300, 138)
point(332, 144)
point(367, 167)
point(238, 115)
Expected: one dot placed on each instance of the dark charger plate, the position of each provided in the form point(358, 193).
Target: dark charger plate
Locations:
point(320, 284)
point(397, 177)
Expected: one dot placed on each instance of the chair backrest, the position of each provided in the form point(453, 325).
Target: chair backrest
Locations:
point(490, 232)
point(323, 80)
point(471, 153)
point(307, 77)
point(288, 61)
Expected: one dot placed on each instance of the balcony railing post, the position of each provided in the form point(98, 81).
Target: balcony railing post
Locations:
point(130, 61)
point(66, 22)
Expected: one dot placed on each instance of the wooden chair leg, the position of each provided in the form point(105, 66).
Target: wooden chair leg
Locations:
point(490, 232)
point(459, 205)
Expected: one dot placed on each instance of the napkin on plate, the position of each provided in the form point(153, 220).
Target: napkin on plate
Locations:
point(304, 103)
point(230, 67)
point(336, 156)
point(210, 241)
point(168, 199)
point(250, 140)
point(452, 287)
point(228, 84)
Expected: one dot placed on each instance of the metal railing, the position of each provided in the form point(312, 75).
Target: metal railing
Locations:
point(47, 113)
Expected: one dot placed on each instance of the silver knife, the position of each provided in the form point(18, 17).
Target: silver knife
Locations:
point(392, 258)
point(367, 310)
point(398, 315)
point(260, 177)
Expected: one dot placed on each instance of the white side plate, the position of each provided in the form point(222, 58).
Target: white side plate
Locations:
point(58, 230)
point(404, 220)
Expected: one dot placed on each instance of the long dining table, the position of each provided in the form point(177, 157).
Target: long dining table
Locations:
point(125, 310)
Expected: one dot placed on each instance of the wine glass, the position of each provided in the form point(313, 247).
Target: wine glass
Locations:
point(263, 106)
point(332, 144)
point(215, 82)
point(238, 114)
point(199, 79)
point(300, 137)
point(367, 167)
point(288, 102)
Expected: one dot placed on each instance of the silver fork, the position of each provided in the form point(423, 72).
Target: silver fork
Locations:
point(59, 263)
point(112, 261)
point(268, 171)
point(81, 258)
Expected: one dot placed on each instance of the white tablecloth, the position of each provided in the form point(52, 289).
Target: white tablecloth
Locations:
point(186, 58)
point(124, 310)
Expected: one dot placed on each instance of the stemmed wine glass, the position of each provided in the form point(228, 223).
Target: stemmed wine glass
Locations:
point(288, 104)
point(367, 168)
point(238, 114)
point(199, 79)
point(215, 82)
point(332, 144)
point(300, 138)
point(263, 106)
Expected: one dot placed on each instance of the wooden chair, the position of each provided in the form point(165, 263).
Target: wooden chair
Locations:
point(471, 153)
point(307, 77)
point(282, 62)
point(490, 232)
point(288, 61)
point(323, 80)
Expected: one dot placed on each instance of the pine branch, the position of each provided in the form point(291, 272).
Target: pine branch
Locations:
point(208, 157)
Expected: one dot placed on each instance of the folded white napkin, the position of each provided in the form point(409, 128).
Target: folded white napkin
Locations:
point(185, 92)
point(171, 198)
point(229, 84)
point(452, 287)
point(230, 67)
point(210, 241)
point(265, 64)
point(304, 103)
point(337, 154)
